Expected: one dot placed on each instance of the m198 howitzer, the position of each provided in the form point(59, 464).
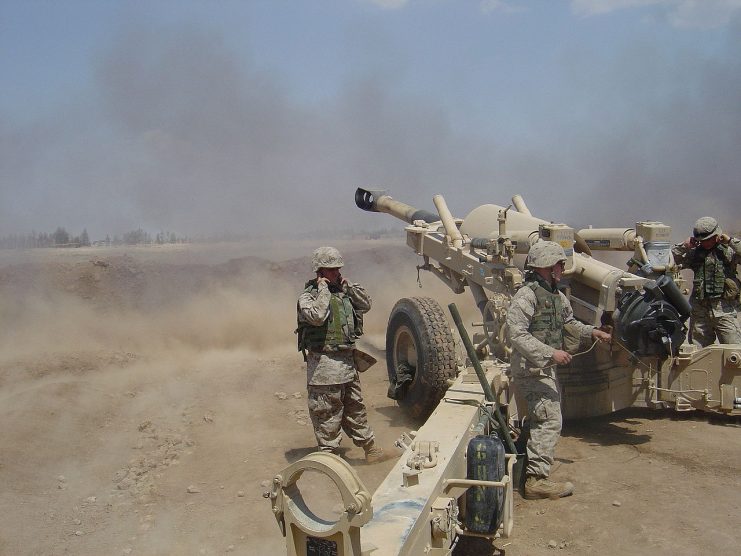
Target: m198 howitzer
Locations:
point(648, 364)
point(434, 494)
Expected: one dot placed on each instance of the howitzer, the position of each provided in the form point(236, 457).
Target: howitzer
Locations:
point(436, 493)
point(648, 364)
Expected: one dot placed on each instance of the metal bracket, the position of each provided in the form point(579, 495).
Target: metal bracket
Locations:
point(405, 441)
point(424, 454)
point(444, 516)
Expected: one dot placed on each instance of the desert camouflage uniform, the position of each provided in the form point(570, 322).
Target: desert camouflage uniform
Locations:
point(534, 373)
point(712, 315)
point(335, 399)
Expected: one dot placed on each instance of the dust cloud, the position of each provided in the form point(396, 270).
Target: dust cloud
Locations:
point(215, 316)
point(148, 395)
point(180, 131)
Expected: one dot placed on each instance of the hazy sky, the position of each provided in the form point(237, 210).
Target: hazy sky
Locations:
point(204, 117)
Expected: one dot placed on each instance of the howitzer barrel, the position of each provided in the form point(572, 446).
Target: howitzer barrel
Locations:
point(377, 201)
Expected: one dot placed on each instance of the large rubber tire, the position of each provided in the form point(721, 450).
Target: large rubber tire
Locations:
point(419, 338)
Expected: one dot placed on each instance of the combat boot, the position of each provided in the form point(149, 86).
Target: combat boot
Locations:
point(537, 487)
point(374, 454)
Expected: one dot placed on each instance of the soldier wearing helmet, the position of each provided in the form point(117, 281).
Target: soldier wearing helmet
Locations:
point(536, 319)
point(713, 257)
point(330, 319)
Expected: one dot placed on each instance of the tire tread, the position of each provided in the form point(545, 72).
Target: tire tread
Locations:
point(436, 355)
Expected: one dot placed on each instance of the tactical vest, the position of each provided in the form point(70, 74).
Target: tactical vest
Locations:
point(711, 269)
point(338, 331)
point(547, 322)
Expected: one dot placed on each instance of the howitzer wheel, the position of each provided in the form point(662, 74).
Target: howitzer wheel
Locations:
point(420, 354)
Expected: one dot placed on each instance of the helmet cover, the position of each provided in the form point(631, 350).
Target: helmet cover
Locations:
point(326, 257)
point(545, 254)
point(705, 228)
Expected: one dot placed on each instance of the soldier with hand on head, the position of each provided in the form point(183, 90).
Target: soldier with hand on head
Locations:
point(330, 319)
point(536, 319)
point(713, 257)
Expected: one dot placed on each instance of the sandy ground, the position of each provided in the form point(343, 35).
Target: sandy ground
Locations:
point(147, 397)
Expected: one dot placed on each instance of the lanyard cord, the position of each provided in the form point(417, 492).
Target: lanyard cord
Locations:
point(575, 355)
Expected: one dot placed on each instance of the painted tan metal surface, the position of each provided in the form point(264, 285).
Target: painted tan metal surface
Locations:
point(301, 526)
point(403, 503)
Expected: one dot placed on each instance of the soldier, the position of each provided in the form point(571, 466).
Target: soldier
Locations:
point(713, 257)
point(329, 321)
point(536, 319)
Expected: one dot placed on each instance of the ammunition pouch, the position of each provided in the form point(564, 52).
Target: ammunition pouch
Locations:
point(731, 289)
point(572, 339)
point(358, 323)
point(363, 361)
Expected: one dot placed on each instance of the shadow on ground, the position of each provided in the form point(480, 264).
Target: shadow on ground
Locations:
point(472, 546)
point(613, 429)
point(621, 427)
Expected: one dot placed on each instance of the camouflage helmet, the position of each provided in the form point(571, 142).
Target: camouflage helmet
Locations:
point(545, 254)
point(326, 257)
point(705, 228)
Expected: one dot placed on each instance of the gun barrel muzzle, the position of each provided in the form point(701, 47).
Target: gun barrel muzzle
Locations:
point(377, 201)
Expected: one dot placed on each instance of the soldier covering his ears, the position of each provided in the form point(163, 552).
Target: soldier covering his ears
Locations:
point(536, 319)
point(330, 313)
point(713, 257)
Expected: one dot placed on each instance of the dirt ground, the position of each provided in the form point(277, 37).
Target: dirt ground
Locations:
point(148, 396)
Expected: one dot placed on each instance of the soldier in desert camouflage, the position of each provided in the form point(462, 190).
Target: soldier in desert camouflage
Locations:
point(536, 319)
point(713, 257)
point(330, 313)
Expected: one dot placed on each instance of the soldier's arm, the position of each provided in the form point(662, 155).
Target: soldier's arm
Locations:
point(681, 252)
point(519, 317)
point(735, 244)
point(314, 308)
point(359, 297)
point(585, 330)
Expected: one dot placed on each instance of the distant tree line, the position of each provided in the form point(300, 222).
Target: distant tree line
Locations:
point(350, 233)
point(62, 238)
point(329, 234)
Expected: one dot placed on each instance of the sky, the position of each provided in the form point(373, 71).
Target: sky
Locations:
point(262, 117)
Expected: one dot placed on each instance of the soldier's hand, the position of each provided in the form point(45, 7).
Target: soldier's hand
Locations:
point(724, 239)
point(561, 357)
point(690, 242)
point(601, 335)
point(322, 280)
